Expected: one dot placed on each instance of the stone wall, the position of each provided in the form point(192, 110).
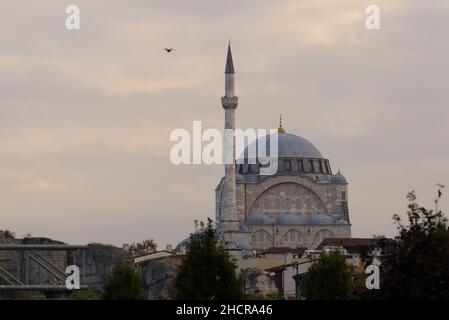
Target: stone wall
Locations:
point(258, 283)
point(313, 196)
point(100, 261)
point(158, 276)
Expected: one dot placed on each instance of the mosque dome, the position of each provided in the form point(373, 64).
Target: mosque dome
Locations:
point(289, 146)
point(338, 178)
point(290, 219)
point(259, 219)
point(320, 218)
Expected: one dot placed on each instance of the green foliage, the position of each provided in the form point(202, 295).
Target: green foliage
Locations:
point(328, 279)
point(418, 267)
point(16, 295)
point(40, 296)
point(144, 247)
point(207, 272)
point(84, 295)
point(124, 284)
point(22, 295)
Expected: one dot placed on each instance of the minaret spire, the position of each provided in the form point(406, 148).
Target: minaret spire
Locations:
point(229, 74)
point(229, 63)
point(229, 222)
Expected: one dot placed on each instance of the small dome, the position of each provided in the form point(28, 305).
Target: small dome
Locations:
point(182, 245)
point(259, 219)
point(320, 219)
point(341, 221)
point(290, 219)
point(338, 178)
point(239, 244)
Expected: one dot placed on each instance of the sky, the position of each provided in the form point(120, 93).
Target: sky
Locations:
point(86, 116)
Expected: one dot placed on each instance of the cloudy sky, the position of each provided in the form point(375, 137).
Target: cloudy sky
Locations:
point(86, 116)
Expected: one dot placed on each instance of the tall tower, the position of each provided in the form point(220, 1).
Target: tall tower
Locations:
point(229, 223)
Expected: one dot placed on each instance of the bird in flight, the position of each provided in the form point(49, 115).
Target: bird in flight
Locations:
point(169, 50)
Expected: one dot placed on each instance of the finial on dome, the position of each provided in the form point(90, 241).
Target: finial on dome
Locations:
point(280, 129)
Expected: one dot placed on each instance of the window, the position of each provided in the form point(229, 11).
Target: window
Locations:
point(321, 166)
point(287, 204)
point(293, 237)
point(262, 236)
point(277, 204)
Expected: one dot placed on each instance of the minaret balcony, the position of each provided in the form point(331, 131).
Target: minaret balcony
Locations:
point(230, 102)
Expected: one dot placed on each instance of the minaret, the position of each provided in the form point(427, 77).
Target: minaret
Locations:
point(228, 221)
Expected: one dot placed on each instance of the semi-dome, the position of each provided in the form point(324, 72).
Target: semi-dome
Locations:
point(320, 218)
point(290, 219)
point(289, 146)
point(338, 178)
point(259, 219)
point(182, 245)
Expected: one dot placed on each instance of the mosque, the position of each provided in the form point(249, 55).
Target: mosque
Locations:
point(299, 206)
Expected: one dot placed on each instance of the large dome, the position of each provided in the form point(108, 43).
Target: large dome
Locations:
point(289, 146)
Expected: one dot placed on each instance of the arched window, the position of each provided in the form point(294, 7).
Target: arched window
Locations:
point(293, 237)
point(277, 204)
point(266, 204)
point(321, 235)
point(309, 206)
point(287, 204)
point(298, 204)
point(262, 236)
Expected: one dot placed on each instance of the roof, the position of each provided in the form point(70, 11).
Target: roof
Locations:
point(352, 244)
point(286, 265)
point(153, 256)
point(283, 250)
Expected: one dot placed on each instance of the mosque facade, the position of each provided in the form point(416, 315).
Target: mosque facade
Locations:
point(303, 203)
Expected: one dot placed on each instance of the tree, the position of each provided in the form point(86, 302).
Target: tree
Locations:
point(124, 284)
point(328, 279)
point(207, 272)
point(144, 247)
point(418, 267)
